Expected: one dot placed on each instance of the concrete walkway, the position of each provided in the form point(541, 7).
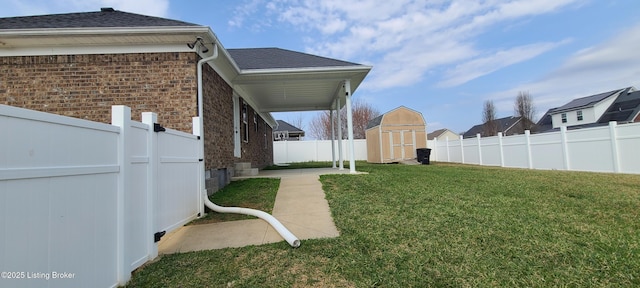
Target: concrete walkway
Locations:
point(300, 206)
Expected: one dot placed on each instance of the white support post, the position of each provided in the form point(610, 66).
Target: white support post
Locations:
point(461, 149)
point(121, 117)
point(333, 140)
point(479, 149)
point(614, 146)
point(352, 157)
point(434, 149)
point(501, 149)
point(527, 137)
point(565, 148)
point(340, 158)
point(152, 184)
point(198, 130)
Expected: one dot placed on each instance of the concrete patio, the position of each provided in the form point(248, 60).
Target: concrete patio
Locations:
point(300, 206)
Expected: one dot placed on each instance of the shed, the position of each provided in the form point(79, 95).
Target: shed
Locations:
point(394, 136)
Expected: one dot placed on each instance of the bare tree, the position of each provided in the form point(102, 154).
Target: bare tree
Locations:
point(297, 121)
point(490, 127)
point(361, 112)
point(524, 108)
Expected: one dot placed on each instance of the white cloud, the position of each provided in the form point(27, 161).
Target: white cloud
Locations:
point(613, 64)
point(405, 40)
point(489, 63)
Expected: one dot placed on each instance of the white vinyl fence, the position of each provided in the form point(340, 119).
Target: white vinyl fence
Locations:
point(315, 150)
point(613, 148)
point(81, 202)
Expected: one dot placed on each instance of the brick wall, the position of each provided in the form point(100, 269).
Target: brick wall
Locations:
point(259, 149)
point(85, 86)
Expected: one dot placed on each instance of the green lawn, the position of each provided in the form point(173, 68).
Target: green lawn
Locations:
point(443, 225)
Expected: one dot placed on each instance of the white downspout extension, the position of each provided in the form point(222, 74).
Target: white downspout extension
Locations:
point(283, 231)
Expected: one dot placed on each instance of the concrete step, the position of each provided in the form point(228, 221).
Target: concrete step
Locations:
point(247, 172)
point(242, 166)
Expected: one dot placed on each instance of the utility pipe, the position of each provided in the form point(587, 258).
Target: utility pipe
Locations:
point(283, 231)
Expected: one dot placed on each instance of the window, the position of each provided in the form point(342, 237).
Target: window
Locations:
point(255, 121)
point(579, 113)
point(245, 124)
point(564, 117)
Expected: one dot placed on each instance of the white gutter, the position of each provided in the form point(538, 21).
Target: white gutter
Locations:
point(283, 231)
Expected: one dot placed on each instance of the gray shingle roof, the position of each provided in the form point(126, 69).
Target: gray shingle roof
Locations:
point(503, 125)
point(624, 109)
point(104, 19)
point(284, 126)
point(585, 102)
point(276, 58)
point(374, 122)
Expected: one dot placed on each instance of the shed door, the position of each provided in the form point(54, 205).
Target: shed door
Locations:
point(401, 145)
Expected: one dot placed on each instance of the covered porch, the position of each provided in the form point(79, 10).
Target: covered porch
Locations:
point(278, 80)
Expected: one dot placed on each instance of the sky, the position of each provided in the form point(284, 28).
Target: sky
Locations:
point(441, 58)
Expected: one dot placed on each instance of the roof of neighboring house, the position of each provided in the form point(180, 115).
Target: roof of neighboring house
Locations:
point(503, 125)
point(276, 58)
point(624, 109)
point(545, 123)
point(584, 102)
point(437, 133)
point(107, 17)
point(284, 126)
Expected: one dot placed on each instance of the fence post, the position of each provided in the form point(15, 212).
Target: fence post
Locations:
point(614, 146)
point(501, 149)
point(527, 138)
point(565, 148)
point(461, 150)
point(121, 117)
point(435, 149)
point(448, 154)
point(150, 118)
point(479, 149)
point(196, 130)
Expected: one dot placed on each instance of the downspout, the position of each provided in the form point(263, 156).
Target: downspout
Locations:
point(283, 231)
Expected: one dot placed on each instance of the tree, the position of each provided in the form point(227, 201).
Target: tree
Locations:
point(524, 108)
point(362, 113)
point(490, 127)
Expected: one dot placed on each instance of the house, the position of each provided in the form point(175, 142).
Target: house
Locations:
point(394, 136)
point(443, 134)
point(80, 64)
point(508, 126)
point(287, 132)
point(621, 105)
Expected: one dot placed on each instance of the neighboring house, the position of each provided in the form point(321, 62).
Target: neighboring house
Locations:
point(443, 134)
point(287, 132)
point(620, 105)
point(508, 126)
point(80, 64)
point(394, 136)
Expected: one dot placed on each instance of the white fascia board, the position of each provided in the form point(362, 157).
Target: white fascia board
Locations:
point(281, 71)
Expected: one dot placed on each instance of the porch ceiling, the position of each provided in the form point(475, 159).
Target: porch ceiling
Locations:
point(282, 90)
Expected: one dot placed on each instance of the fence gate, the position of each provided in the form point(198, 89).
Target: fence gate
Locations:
point(178, 194)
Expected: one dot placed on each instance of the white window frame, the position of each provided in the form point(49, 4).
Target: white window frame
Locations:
point(563, 117)
point(579, 115)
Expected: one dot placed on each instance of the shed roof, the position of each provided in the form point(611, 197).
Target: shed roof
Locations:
point(107, 17)
point(378, 120)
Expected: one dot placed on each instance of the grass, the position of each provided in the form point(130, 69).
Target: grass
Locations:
point(255, 193)
point(443, 225)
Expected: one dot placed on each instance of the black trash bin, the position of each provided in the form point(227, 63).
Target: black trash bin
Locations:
point(423, 155)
